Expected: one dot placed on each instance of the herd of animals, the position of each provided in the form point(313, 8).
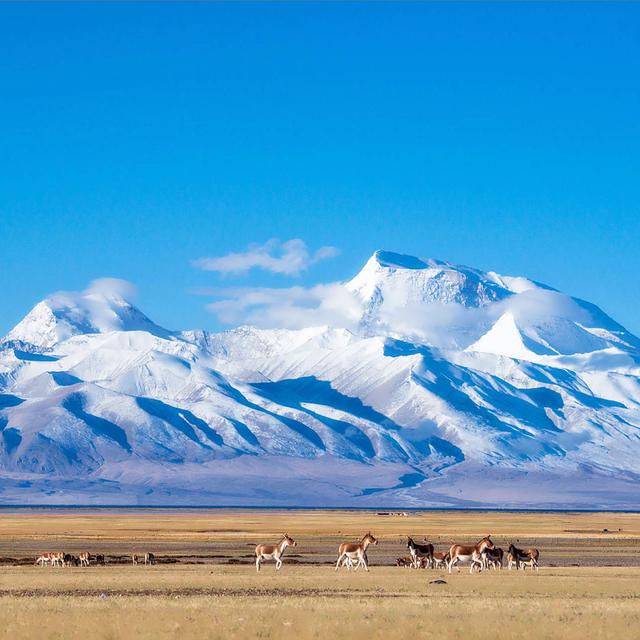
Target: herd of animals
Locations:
point(353, 555)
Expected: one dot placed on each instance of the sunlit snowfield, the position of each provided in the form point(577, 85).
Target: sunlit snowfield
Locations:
point(205, 584)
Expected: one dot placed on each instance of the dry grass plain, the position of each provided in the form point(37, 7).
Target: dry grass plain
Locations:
point(205, 587)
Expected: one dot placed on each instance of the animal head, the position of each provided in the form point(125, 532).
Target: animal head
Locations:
point(409, 542)
point(290, 541)
point(486, 543)
point(370, 538)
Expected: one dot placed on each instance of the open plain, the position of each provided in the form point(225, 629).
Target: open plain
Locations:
point(204, 584)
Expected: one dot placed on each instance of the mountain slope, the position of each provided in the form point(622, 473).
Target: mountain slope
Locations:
point(456, 388)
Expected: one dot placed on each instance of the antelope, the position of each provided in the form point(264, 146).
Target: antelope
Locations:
point(273, 551)
point(493, 558)
point(420, 551)
point(472, 554)
point(349, 552)
point(440, 558)
point(406, 561)
point(84, 558)
point(149, 558)
point(524, 557)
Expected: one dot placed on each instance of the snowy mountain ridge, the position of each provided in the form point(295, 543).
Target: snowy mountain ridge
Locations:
point(455, 387)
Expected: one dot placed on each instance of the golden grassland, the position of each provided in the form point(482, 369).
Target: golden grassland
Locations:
point(204, 527)
point(316, 602)
point(214, 599)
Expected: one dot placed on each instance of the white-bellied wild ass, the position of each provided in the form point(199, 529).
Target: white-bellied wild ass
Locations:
point(471, 554)
point(350, 552)
point(523, 557)
point(419, 551)
point(134, 558)
point(440, 558)
point(54, 558)
point(149, 558)
point(43, 559)
point(273, 551)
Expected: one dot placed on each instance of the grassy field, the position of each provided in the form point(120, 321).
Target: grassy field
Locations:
point(196, 593)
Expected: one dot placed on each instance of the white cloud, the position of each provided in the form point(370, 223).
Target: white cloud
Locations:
point(113, 287)
point(288, 308)
point(288, 258)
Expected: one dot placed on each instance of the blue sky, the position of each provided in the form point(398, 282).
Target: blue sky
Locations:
point(135, 139)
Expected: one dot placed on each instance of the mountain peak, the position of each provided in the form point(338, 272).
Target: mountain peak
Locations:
point(66, 314)
point(391, 260)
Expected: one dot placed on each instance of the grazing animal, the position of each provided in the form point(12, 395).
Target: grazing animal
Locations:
point(149, 558)
point(43, 559)
point(54, 558)
point(100, 559)
point(349, 552)
point(440, 558)
point(273, 551)
point(524, 557)
point(493, 558)
point(418, 551)
point(471, 554)
point(84, 559)
point(405, 561)
point(134, 558)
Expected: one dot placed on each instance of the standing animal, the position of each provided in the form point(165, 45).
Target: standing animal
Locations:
point(440, 558)
point(84, 558)
point(273, 551)
point(493, 558)
point(70, 560)
point(134, 558)
point(523, 557)
point(149, 558)
point(349, 552)
point(100, 559)
point(471, 554)
point(418, 551)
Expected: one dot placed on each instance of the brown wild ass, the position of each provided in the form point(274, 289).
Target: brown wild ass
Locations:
point(84, 558)
point(418, 551)
point(471, 554)
point(405, 561)
point(523, 557)
point(440, 558)
point(273, 551)
point(349, 552)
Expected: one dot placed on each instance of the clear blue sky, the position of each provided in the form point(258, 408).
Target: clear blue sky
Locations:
point(136, 138)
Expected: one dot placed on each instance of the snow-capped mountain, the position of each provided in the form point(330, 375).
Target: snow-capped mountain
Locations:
point(454, 387)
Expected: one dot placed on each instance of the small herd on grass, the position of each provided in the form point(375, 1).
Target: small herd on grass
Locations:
point(481, 556)
point(353, 555)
